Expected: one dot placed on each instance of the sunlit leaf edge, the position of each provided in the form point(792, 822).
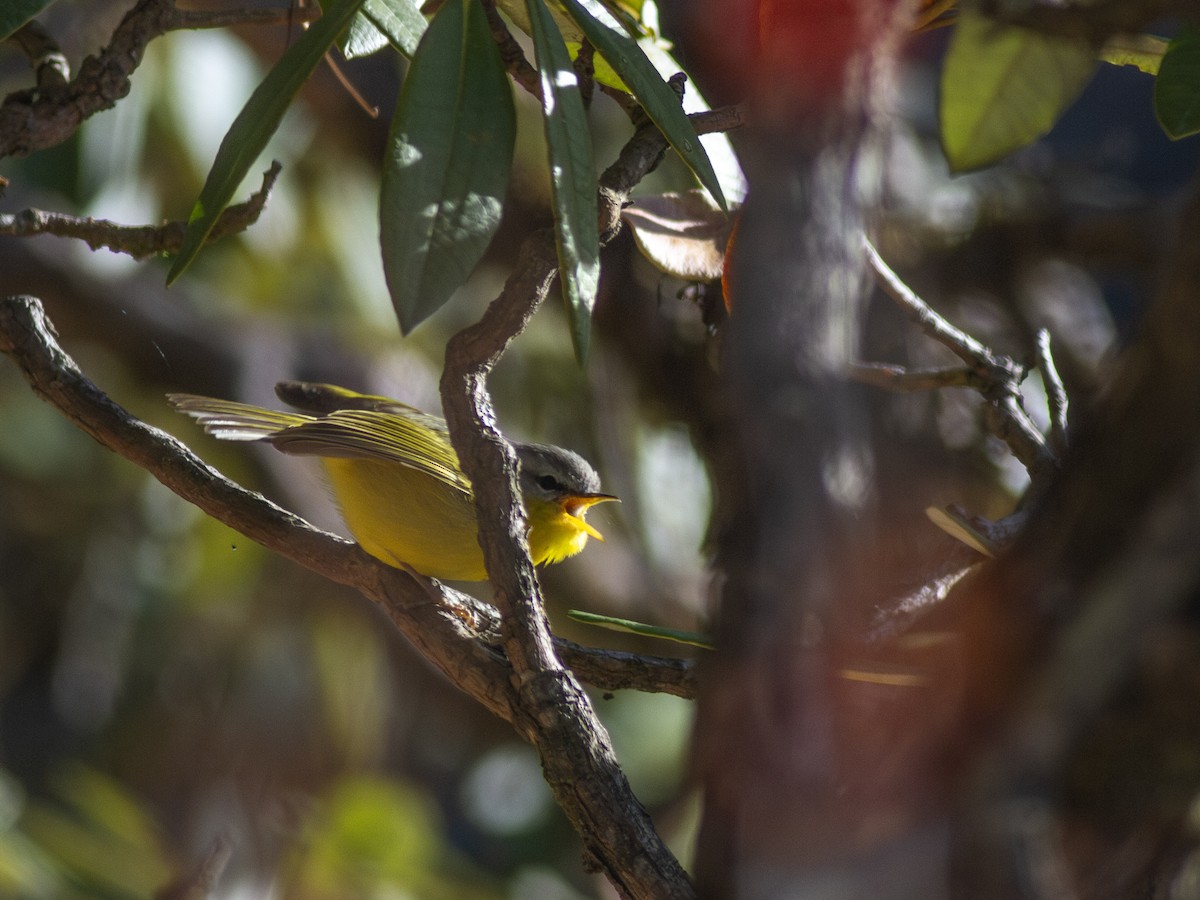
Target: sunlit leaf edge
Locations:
point(254, 125)
point(658, 100)
point(424, 260)
point(573, 176)
point(995, 77)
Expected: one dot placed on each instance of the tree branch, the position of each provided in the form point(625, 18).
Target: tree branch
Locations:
point(49, 64)
point(577, 757)
point(139, 241)
point(451, 628)
point(998, 377)
point(1056, 393)
point(511, 52)
point(35, 119)
point(901, 380)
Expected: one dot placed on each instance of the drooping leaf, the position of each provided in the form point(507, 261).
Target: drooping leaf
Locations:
point(1177, 88)
point(362, 38)
point(695, 638)
point(655, 95)
point(255, 124)
point(15, 13)
point(572, 175)
point(720, 151)
point(683, 235)
point(1142, 51)
point(400, 21)
point(1003, 86)
point(447, 167)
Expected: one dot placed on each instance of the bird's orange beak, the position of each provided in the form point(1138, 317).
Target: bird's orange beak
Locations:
point(576, 505)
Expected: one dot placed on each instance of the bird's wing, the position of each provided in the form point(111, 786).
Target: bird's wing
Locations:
point(232, 421)
point(375, 434)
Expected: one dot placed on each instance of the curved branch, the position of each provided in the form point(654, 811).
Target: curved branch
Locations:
point(997, 377)
point(577, 756)
point(35, 119)
point(139, 241)
point(455, 631)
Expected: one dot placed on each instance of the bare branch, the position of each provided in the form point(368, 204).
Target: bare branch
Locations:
point(511, 52)
point(35, 119)
point(905, 381)
point(723, 118)
point(614, 670)
point(584, 65)
point(139, 241)
point(961, 344)
point(1056, 394)
point(999, 376)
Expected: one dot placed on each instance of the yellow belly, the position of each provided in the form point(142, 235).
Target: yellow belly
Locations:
point(401, 516)
point(406, 518)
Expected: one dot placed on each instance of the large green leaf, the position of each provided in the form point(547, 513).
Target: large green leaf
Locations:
point(1003, 86)
point(15, 13)
point(362, 38)
point(448, 162)
point(655, 95)
point(572, 174)
point(1177, 88)
point(255, 124)
point(400, 21)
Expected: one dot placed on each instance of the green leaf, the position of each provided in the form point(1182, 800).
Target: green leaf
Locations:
point(255, 124)
point(15, 13)
point(655, 95)
point(362, 38)
point(1142, 51)
point(399, 20)
point(630, 627)
point(1177, 88)
point(518, 12)
point(1003, 86)
point(572, 175)
point(447, 167)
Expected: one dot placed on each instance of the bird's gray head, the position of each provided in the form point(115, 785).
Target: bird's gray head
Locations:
point(554, 474)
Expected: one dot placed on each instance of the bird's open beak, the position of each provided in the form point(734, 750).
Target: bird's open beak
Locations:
point(577, 504)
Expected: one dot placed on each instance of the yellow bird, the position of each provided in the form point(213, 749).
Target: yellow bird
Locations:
point(397, 479)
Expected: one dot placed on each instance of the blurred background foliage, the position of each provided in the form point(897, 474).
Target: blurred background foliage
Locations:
point(171, 696)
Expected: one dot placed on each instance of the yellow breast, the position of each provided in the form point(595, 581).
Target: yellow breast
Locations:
point(406, 518)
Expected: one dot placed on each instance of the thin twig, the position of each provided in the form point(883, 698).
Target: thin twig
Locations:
point(42, 117)
point(139, 241)
point(961, 344)
point(511, 52)
point(349, 88)
point(999, 376)
point(584, 65)
point(905, 381)
point(1056, 393)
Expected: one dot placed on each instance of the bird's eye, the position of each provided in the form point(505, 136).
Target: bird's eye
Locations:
point(549, 483)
